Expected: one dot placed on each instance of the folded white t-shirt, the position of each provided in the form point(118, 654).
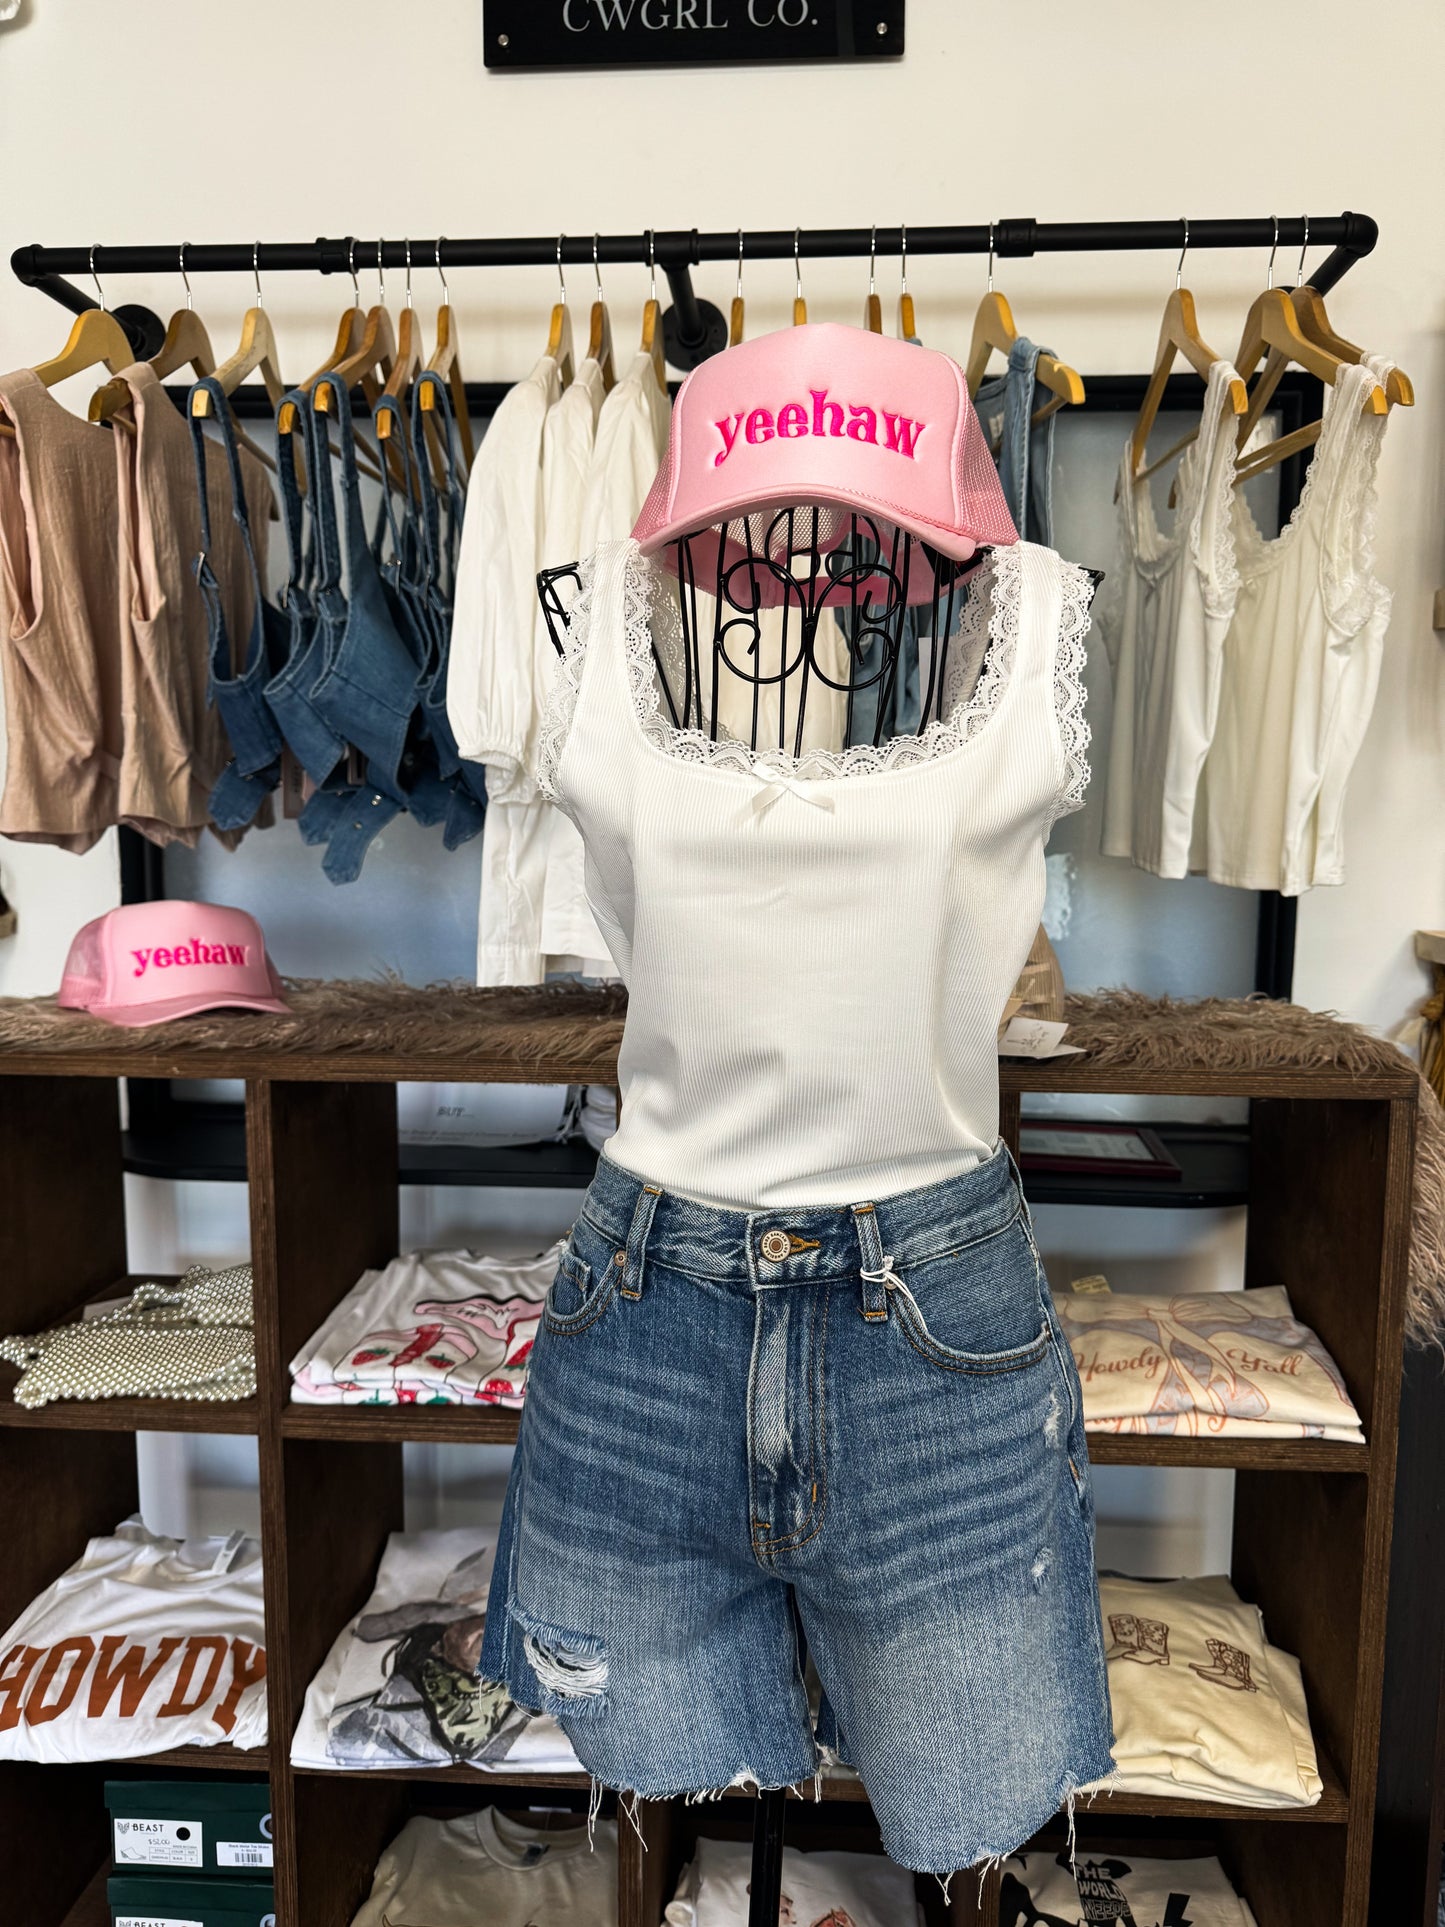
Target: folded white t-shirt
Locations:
point(432, 1327)
point(488, 1867)
point(1108, 1886)
point(399, 1686)
point(819, 1889)
point(142, 1645)
point(1203, 1705)
point(1204, 1364)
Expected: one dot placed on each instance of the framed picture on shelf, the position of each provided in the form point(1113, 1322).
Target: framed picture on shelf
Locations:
point(1100, 1150)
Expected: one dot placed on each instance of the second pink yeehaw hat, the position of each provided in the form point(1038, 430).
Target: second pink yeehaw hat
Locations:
point(147, 962)
point(832, 417)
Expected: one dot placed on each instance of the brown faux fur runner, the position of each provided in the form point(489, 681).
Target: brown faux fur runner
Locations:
point(534, 1027)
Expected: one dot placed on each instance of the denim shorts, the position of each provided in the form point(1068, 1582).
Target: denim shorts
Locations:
point(851, 1432)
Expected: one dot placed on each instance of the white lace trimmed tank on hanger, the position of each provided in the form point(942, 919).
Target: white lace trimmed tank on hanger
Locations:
point(1301, 664)
point(809, 944)
point(1164, 626)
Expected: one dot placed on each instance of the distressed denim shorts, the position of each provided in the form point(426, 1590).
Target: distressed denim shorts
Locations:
point(852, 1431)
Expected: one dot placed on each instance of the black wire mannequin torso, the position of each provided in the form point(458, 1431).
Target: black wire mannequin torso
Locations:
point(749, 652)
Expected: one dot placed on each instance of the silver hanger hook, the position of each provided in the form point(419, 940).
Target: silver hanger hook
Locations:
point(256, 272)
point(407, 245)
point(190, 303)
point(652, 264)
point(990, 257)
point(798, 262)
point(351, 270)
point(740, 264)
point(441, 272)
point(596, 267)
point(1274, 250)
point(100, 291)
point(903, 254)
point(1179, 264)
point(873, 261)
point(1299, 273)
point(561, 278)
point(380, 275)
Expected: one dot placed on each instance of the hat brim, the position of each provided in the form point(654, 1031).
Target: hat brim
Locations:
point(922, 587)
point(139, 1016)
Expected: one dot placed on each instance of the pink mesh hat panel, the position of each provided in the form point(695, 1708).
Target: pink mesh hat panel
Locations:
point(148, 962)
point(835, 418)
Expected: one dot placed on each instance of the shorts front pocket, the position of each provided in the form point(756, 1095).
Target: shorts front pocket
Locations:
point(580, 1292)
point(979, 1307)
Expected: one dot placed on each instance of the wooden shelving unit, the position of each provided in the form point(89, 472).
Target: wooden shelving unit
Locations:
point(1328, 1187)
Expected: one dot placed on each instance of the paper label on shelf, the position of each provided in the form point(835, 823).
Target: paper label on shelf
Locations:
point(1095, 1282)
point(154, 1920)
point(244, 1853)
point(159, 1843)
point(1036, 1037)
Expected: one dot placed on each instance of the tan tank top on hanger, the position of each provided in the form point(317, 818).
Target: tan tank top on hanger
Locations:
point(60, 620)
point(173, 743)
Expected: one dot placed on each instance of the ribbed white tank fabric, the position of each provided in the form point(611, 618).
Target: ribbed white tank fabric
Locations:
point(1164, 627)
point(817, 953)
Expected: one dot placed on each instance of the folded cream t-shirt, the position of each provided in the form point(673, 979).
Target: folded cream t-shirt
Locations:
point(487, 1867)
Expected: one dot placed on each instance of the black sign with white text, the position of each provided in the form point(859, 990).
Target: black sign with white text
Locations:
point(647, 33)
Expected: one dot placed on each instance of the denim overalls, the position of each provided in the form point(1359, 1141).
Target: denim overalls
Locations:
point(239, 693)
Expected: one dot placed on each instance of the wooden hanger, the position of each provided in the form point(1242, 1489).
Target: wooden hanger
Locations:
point(599, 330)
point(446, 362)
point(186, 345)
point(800, 306)
point(1178, 335)
point(907, 319)
point(1273, 322)
point(407, 363)
point(96, 340)
point(873, 306)
point(559, 333)
point(257, 349)
point(652, 341)
point(994, 329)
point(738, 316)
point(1314, 323)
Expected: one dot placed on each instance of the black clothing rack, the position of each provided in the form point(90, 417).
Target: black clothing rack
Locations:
point(695, 329)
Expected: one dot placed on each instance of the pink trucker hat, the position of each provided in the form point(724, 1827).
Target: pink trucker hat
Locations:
point(147, 962)
point(829, 417)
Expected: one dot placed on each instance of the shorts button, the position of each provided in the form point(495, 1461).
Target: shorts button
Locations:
point(620, 1259)
point(775, 1246)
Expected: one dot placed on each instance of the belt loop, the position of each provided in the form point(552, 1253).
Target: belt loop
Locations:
point(870, 1251)
point(636, 1253)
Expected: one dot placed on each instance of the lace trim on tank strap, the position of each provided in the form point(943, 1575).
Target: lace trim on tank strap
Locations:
point(561, 703)
point(1219, 569)
point(1353, 592)
point(1069, 692)
point(647, 601)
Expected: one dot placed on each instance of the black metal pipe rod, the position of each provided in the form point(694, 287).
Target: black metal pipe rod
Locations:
point(1352, 235)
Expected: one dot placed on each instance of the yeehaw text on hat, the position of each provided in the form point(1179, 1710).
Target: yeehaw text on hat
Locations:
point(855, 421)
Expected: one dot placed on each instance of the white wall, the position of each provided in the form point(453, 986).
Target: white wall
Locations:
point(145, 122)
point(149, 122)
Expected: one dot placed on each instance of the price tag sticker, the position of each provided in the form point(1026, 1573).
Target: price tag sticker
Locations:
point(159, 1843)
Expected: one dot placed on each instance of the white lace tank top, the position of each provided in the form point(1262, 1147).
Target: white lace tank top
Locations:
point(817, 952)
